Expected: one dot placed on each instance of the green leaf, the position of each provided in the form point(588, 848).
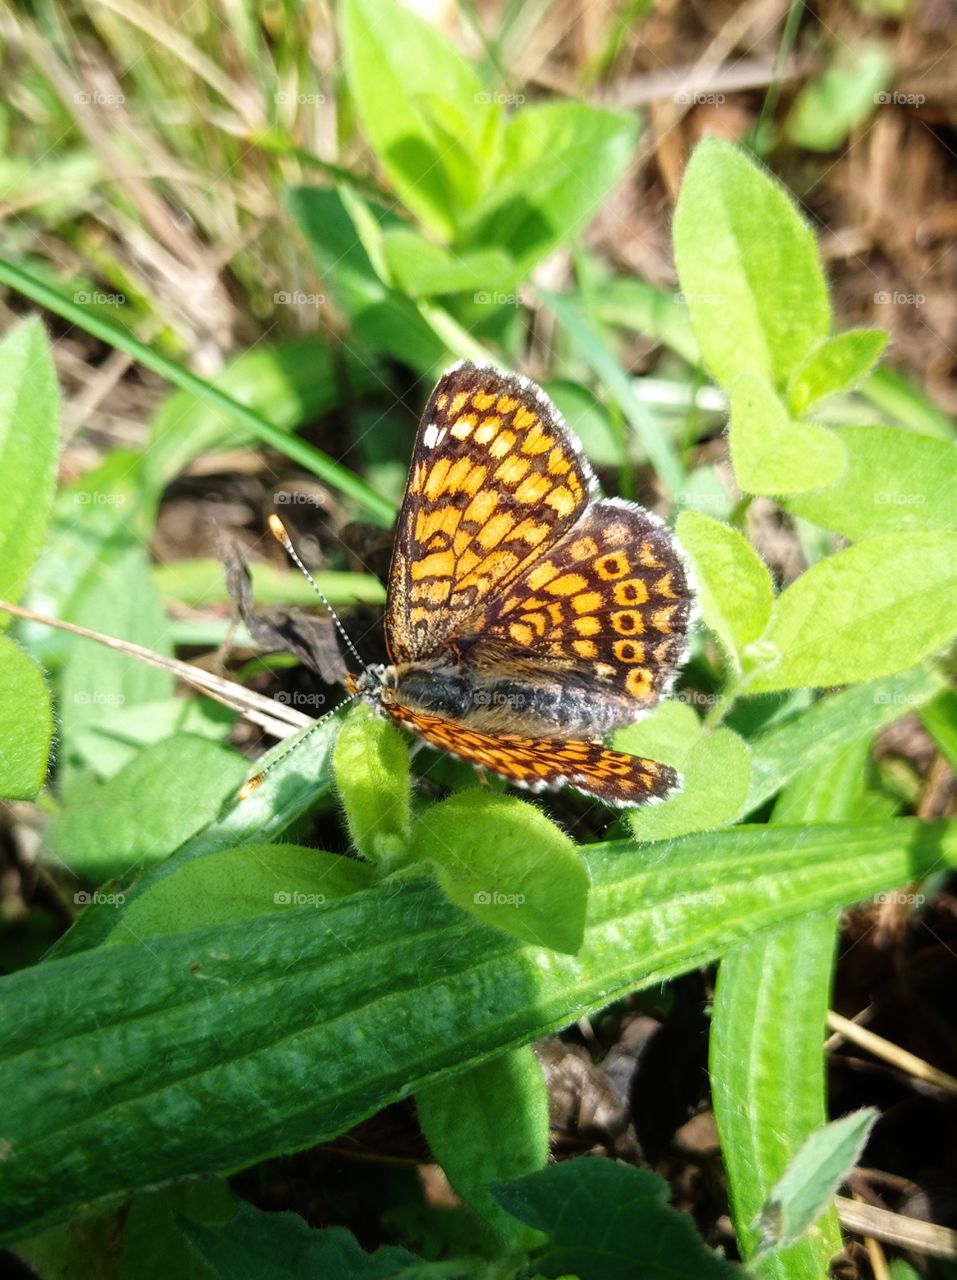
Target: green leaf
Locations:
point(895, 481)
point(282, 1246)
point(505, 863)
point(489, 1124)
point(771, 452)
point(940, 720)
point(735, 593)
point(201, 582)
point(539, 199)
point(815, 735)
point(841, 97)
point(701, 804)
point(609, 1220)
point(386, 47)
point(834, 365)
point(154, 1246)
point(382, 318)
point(165, 794)
point(26, 723)
point(748, 266)
point(118, 733)
point(767, 1054)
point(423, 269)
point(371, 763)
point(249, 1010)
point(121, 601)
point(238, 884)
point(871, 610)
point(29, 445)
point(806, 1187)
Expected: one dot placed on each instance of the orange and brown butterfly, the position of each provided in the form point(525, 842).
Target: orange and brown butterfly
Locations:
point(526, 618)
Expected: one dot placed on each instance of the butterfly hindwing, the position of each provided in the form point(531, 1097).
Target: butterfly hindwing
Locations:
point(496, 479)
point(610, 601)
point(546, 763)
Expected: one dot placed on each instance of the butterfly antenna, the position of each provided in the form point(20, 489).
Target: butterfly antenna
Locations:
point(250, 785)
point(278, 531)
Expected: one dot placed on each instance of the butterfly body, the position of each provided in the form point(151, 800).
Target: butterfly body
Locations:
point(526, 618)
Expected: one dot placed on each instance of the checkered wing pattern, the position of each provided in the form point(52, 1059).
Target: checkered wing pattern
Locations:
point(610, 600)
point(545, 763)
point(496, 480)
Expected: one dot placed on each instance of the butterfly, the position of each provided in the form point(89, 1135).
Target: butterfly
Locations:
point(526, 618)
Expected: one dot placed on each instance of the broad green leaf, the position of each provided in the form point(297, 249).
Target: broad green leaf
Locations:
point(29, 446)
point(201, 582)
point(139, 816)
point(715, 774)
point(836, 364)
point(607, 1220)
point(771, 452)
point(748, 266)
point(119, 733)
point(895, 481)
point(871, 610)
point(238, 884)
point(386, 50)
point(841, 97)
point(371, 763)
point(816, 734)
point(422, 268)
point(488, 1124)
point(590, 421)
point(806, 1187)
point(667, 733)
point(222, 1014)
point(735, 594)
point(538, 198)
point(382, 318)
point(282, 1246)
point(26, 723)
point(767, 1055)
point(505, 863)
point(297, 780)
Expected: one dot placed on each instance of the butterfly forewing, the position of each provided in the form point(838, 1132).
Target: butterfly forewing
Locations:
point(496, 480)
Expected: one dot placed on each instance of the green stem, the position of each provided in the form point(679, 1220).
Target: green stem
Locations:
point(326, 468)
